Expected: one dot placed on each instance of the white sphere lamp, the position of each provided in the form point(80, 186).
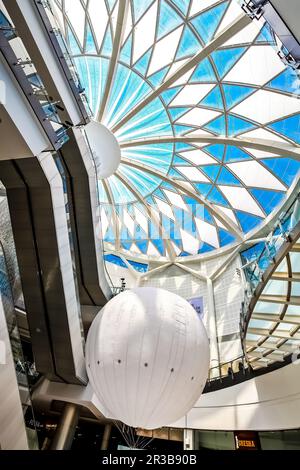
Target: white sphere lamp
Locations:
point(105, 149)
point(147, 357)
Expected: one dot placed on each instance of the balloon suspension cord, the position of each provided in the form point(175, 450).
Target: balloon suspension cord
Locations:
point(132, 440)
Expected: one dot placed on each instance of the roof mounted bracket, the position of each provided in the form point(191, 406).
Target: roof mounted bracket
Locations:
point(254, 8)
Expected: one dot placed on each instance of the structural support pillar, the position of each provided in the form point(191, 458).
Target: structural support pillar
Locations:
point(106, 437)
point(189, 439)
point(213, 331)
point(65, 432)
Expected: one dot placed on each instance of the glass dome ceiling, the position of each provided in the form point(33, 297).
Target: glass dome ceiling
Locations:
point(206, 114)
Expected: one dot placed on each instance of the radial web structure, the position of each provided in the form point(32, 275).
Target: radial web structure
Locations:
point(205, 112)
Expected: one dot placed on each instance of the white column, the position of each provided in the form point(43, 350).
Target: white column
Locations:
point(212, 328)
point(188, 440)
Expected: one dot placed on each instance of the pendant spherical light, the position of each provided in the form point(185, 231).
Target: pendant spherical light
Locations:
point(147, 357)
point(105, 148)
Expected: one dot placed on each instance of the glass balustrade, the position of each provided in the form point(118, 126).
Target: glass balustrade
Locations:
point(49, 107)
point(257, 259)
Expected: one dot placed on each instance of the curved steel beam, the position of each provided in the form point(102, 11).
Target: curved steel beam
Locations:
point(120, 28)
point(271, 146)
point(235, 27)
point(226, 221)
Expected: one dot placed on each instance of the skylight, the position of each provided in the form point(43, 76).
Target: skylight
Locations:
point(204, 111)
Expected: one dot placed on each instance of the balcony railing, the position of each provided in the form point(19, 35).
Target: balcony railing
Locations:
point(64, 57)
point(229, 369)
point(259, 258)
point(23, 69)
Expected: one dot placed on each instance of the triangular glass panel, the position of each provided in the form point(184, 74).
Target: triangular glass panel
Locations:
point(289, 127)
point(142, 245)
point(158, 77)
point(168, 19)
point(125, 54)
point(286, 169)
point(142, 64)
point(126, 245)
point(184, 254)
point(191, 202)
point(247, 221)
point(189, 44)
point(226, 177)
point(238, 125)
point(166, 185)
point(160, 195)
point(207, 23)
point(111, 4)
point(205, 248)
point(179, 161)
point(225, 237)
point(90, 47)
point(225, 59)
point(211, 171)
point(107, 44)
point(213, 99)
point(287, 81)
point(235, 154)
point(140, 267)
point(183, 5)
point(216, 151)
point(218, 125)
point(174, 174)
point(234, 94)
point(266, 35)
point(169, 94)
point(110, 236)
point(73, 44)
point(159, 245)
point(217, 197)
point(268, 200)
point(208, 217)
point(180, 130)
point(203, 73)
point(139, 7)
point(203, 188)
point(177, 112)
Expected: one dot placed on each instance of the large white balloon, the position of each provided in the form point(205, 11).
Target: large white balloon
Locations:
point(105, 148)
point(147, 356)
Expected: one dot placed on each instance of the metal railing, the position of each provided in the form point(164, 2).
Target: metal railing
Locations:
point(229, 369)
point(263, 255)
point(257, 260)
point(64, 57)
point(32, 86)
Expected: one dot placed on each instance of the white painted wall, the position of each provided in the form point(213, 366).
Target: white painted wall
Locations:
point(25, 122)
point(269, 402)
point(39, 35)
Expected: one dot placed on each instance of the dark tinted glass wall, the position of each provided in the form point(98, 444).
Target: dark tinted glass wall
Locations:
point(280, 440)
point(221, 440)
